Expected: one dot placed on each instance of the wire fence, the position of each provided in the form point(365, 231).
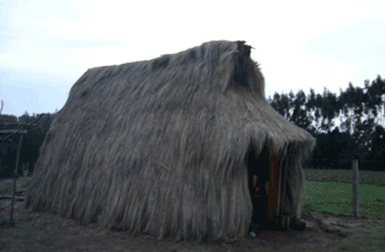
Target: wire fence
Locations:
point(344, 164)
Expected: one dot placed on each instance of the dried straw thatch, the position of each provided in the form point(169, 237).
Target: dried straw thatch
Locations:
point(159, 146)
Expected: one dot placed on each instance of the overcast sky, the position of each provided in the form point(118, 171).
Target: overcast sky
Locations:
point(45, 46)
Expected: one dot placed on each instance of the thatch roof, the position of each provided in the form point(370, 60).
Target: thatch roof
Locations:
point(159, 146)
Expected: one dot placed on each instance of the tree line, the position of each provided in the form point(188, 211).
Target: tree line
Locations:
point(347, 126)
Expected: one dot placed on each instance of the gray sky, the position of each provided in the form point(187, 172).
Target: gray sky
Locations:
point(45, 46)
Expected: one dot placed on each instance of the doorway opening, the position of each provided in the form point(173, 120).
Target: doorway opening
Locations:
point(263, 178)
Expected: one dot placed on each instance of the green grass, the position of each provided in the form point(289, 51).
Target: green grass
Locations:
point(332, 191)
point(6, 185)
point(338, 198)
point(345, 176)
point(22, 182)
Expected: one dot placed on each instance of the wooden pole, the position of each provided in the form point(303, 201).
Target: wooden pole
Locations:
point(272, 185)
point(356, 210)
point(14, 180)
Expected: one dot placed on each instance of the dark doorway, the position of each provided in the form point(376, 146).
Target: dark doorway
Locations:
point(258, 169)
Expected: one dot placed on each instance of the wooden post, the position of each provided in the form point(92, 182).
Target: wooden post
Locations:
point(356, 210)
point(271, 185)
point(15, 178)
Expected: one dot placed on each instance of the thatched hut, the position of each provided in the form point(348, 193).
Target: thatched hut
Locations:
point(182, 146)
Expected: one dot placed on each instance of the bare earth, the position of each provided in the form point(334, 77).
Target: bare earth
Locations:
point(35, 231)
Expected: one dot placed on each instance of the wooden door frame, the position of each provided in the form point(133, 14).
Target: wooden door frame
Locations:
point(272, 185)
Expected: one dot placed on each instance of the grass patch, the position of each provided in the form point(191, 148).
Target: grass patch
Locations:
point(337, 198)
point(6, 185)
point(22, 182)
point(345, 176)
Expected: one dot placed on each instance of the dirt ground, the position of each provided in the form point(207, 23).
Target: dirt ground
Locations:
point(35, 231)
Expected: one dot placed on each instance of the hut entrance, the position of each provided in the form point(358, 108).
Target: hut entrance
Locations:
point(263, 179)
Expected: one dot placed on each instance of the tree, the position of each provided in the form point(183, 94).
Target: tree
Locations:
point(359, 110)
point(300, 113)
point(25, 118)
point(375, 159)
